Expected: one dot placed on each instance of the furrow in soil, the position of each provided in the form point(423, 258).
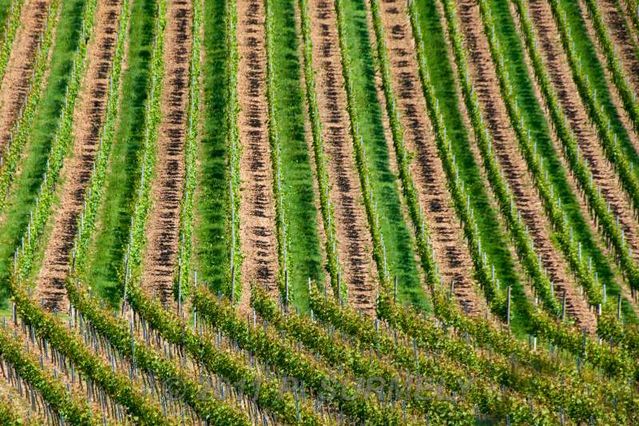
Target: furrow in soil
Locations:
point(446, 233)
point(355, 248)
point(160, 257)
point(88, 118)
point(258, 236)
point(19, 71)
point(514, 165)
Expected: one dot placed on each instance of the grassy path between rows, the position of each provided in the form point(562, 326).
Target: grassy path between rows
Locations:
point(395, 246)
point(213, 210)
point(495, 244)
point(24, 191)
point(114, 217)
point(298, 236)
point(534, 123)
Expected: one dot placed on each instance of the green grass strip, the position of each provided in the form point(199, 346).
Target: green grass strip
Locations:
point(392, 244)
point(493, 241)
point(298, 236)
point(106, 249)
point(42, 127)
point(217, 197)
point(5, 12)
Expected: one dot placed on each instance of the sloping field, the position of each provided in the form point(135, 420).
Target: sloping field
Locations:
point(384, 212)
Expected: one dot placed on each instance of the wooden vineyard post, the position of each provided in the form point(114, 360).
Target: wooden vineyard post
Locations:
point(232, 259)
point(619, 307)
point(286, 294)
point(232, 284)
point(395, 291)
point(508, 307)
point(179, 298)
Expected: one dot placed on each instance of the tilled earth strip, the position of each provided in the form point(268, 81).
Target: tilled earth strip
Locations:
point(168, 186)
point(446, 234)
point(513, 164)
point(258, 237)
point(355, 247)
point(19, 72)
point(88, 118)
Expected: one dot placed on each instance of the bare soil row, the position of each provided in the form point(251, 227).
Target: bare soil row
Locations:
point(160, 257)
point(88, 118)
point(19, 71)
point(258, 236)
point(513, 164)
point(446, 234)
point(355, 247)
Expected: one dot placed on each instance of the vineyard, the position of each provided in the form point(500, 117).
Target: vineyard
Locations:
point(265, 212)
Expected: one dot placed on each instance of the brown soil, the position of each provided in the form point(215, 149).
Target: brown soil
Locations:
point(474, 148)
point(612, 88)
point(513, 164)
point(603, 173)
point(450, 249)
point(88, 117)
point(622, 39)
point(355, 248)
point(163, 227)
point(258, 236)
point(19, 71)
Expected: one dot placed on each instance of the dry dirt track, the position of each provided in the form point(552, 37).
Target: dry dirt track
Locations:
point(160, 257)
point(355, 248)
point(528, 203)
point(19, 71)
point(88, 117)
point(451, 251)
point(258, 237)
